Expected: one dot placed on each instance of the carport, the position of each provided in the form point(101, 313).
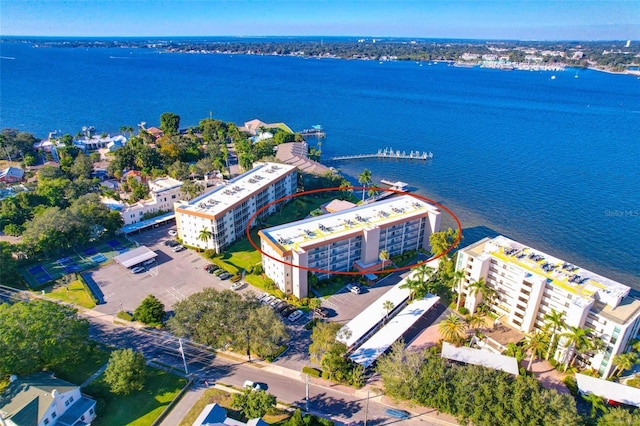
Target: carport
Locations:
point(135, 256)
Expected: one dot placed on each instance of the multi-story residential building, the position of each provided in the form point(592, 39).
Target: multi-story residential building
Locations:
point(347, 240)
point(219, 217)
point(164, 192)
point(529, 284)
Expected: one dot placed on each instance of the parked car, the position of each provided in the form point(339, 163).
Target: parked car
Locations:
point(322, 312)
point(398, 414)
point(274, 302)
point(295, 316)
point(173, 232)
point(281, 306)
point(254, 385)
point(137, 269)
point(224, 276)
point(219, 272)
point(267, 300)
point(177, 248)
point(354, 288)
point(288, 311)
point(171, 243)
point(149, 262)
point(211, 268)
point(237, 285)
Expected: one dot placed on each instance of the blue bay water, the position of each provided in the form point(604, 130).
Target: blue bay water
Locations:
point(553, 163)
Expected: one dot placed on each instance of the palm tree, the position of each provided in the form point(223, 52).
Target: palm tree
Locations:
point(576, 340)
point(314, 303)
point(388, 306)
point(205, 235)
point(475, 321)
point(596, 402)
point(514, 351)
point(486, 292)
point(536, 343)
point(555, 321)
point(457, 279)
point(365, 179)
point(384, 257)
point(373, 191)
point(452, 328)
point(412, 285)
point(624, 362)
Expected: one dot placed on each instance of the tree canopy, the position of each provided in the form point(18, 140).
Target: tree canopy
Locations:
point(169, 123)
point(39, 334)
point(125, 372)
point(253, 403)
point(150, 311)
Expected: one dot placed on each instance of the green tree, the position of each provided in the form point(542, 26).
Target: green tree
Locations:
point(384, 257)
point(126, 371)
point(314, 303)
point(452, 328)
point(150, 311)
point(554, 321)
point(388, 306)
point(323, 339)
point(475, 321)
point(205, 235)
point(39, 334)
point(82, 166)
point(253, 403)
point(169, 123)
point(365, 180)
point(624, 362)
point(486, 293)
point(596, 402)
point(576, 340)
point(536, 343)
point(413, 285)
point(457, 278)
point(442, 241)
point(514, 351)
point(619, 417)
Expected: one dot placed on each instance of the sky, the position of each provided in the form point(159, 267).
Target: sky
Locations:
point(499, 19)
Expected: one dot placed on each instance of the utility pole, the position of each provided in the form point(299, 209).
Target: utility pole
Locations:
point(306, 400)
point(366, 410)
point(184, 361)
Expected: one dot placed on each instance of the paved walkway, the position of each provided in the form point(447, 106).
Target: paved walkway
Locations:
point(94, 376)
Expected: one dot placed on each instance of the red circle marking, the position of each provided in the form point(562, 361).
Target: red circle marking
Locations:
point(327, 271)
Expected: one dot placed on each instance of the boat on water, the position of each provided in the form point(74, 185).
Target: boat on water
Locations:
point(553, 77)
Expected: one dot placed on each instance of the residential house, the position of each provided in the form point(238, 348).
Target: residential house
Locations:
point(40, 399)
point(214, 414)
point(11, 175)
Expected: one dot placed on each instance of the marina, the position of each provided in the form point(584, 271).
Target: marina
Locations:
point(388, 153)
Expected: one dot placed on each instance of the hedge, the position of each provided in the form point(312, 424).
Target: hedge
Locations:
point(313, 372)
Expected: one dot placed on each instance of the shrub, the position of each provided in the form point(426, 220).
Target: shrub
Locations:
point(210, 253)
point(124, 315)
point(150, 311)
point(257, 269)
point(250, 269)
point(572, 385)
point(464, 310)
point(313, 372)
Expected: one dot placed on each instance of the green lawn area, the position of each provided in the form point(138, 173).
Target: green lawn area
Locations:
point(77, 373)
point(223, 399)
point(138, 408)
point(242, 254)
point(75, 293)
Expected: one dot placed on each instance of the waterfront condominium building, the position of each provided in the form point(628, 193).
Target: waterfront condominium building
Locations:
point(347, 240)
point(529, 284)
point(217, 218)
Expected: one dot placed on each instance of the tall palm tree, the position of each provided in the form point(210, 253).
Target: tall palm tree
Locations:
point(424, 272)
point(314, 303)
point(413, 285)
point(536, 343)
point(481, 287)
point(624, 362)
point(475, 321)
point(577, 340)
point(365, 179)
point(384, 257)
point(514, 351)
point(388, 306)
point(452, 328)
point(457, 280)
point(205, 235)
point(555, 321)
point(597, 403)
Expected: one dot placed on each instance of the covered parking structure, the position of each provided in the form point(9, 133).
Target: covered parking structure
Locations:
point(610, 391)
point(135, 256)
point(481, 357)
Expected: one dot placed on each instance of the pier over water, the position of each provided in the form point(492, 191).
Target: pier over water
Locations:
point(388, 153)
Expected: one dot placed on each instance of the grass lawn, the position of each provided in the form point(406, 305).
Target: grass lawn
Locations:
point(242, 254)
point(223, 399)
point(81, 371)
point(75, 293)
point(137, 408)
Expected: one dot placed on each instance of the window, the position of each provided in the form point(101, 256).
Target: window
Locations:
point(66, 403)
point(46, 421)
point(71, 398)
point(91, 411)
point(54, 415)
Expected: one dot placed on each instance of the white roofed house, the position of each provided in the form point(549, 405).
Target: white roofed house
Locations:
point(164, 192)
point(529, 284)
point(40, 399)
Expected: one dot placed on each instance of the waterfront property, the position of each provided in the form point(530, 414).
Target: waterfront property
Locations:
point(219, 217)
point(164, 192)
point(347, 240)
point(529, 284)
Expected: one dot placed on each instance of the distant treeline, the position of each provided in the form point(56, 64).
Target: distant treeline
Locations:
point(611, 55)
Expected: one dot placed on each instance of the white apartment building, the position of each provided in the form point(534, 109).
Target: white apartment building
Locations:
point(347, 240)
point(224, 212)
point(164, 192)
point(530, 283)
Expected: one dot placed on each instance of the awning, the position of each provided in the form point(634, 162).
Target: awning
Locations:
point(135, 256)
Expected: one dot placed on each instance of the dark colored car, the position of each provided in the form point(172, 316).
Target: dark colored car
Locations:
point(288, 311)
point(282, 306)
point(224, 276)
point(322, 312)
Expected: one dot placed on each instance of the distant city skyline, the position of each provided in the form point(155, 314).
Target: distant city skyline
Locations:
point(503, 19)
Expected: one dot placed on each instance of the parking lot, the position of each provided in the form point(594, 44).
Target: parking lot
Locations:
point(173, 277)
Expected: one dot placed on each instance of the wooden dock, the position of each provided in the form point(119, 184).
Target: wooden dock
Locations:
point(388, 153)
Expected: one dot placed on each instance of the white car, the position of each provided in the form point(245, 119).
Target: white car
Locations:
point(253, 385)
point(237, 285)
point(137, 270)
point(354, 288)
point(149, 262)
point(295, 316)
point(177, 248)
point(173, 232)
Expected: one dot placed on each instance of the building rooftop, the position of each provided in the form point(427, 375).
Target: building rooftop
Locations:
point(314, 230)
point(572, 278)
point(164, 183)
point(480, 357)
point(222, 198)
